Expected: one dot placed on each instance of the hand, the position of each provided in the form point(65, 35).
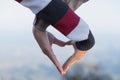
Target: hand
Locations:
point(60, 69)
point(71, 60)
point(65, 65)
point(74, 58)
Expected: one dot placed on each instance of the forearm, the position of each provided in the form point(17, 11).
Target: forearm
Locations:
point(43, 42)
point(54, 40)
point(59, 42)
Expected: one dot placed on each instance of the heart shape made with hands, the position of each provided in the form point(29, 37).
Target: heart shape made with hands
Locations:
point(67, 64)
point(77, 55)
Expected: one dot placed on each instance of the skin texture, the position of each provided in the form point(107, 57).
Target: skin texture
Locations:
point(46, 39)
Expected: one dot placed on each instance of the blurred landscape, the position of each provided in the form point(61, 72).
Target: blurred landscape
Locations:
point(22, 59)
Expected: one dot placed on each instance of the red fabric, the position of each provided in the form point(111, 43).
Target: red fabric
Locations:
point(67, 23)
point(19, 1)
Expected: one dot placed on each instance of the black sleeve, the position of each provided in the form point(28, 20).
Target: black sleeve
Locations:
point(86, 44)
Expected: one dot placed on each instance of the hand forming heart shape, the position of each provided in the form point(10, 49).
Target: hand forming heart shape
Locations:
point(71, 60)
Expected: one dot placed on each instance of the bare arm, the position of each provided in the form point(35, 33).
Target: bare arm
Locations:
point(78, 55)
point(54, 40)
point(43, 42)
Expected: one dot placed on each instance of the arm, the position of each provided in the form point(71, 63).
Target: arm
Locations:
point(78, 54)
point(54, 40)
point(44, 44)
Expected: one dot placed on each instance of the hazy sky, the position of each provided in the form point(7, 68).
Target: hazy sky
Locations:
point(17, 43)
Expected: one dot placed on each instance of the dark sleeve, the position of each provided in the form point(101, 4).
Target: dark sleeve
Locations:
point(86, 44)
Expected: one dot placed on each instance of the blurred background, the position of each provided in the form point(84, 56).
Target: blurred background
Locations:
point(22, 59)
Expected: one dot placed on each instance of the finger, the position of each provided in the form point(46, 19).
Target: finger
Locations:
point(66, 69)
point(66, 65)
